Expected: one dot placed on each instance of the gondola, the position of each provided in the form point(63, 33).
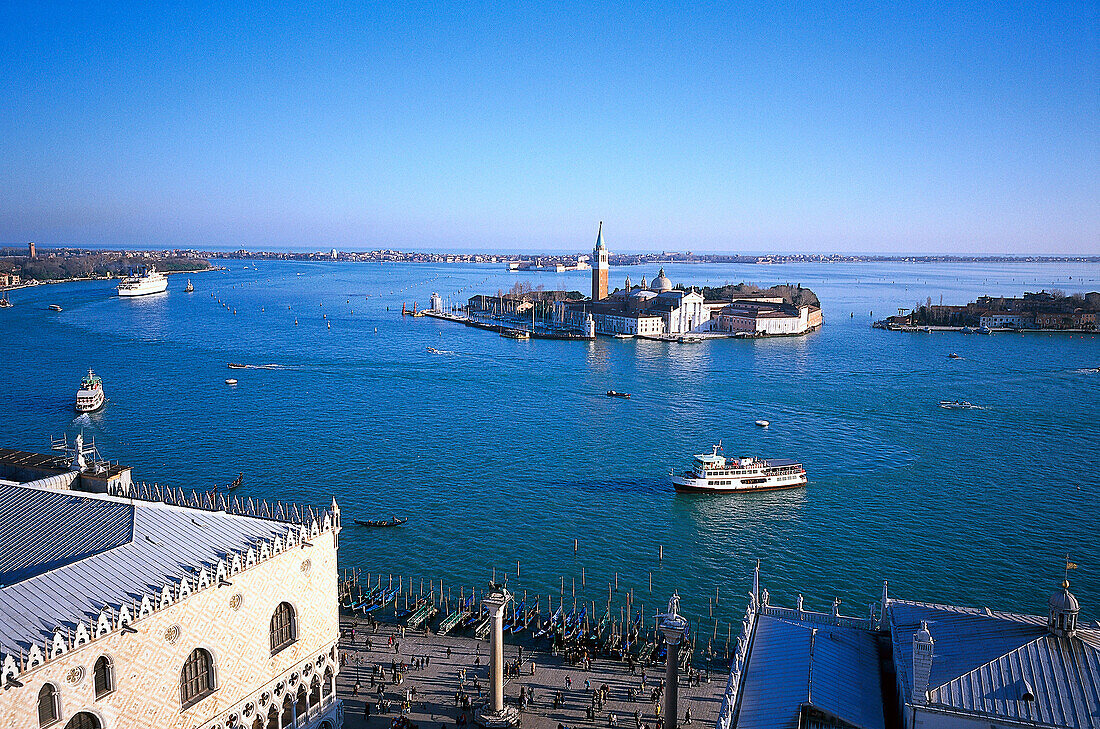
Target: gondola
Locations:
point(237, 482)
point(376, 523)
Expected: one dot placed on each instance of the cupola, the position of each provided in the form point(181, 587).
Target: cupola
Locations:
point(1064, 609)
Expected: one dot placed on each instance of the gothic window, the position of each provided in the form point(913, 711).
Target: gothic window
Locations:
point(284, 628)
point(197, 677)
point(49, 705)
point(104, 677)
point(273, 717)
point(83, 720)
point(258, 723)
point(288, 710)
point(302, 707)
point(315, 693)
point(326, 686)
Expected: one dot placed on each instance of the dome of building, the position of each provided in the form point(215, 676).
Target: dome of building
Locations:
point(661, 283)
point(1064, 600)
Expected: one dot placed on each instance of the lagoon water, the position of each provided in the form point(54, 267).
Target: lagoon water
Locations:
point(502, 451)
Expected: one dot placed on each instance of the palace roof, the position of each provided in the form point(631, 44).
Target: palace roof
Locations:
point(74, 563)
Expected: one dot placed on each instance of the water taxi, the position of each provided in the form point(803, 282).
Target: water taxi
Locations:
point(55, 307)
point(959, 405)
point(89, 397)
point(762, 423)
point(231, 381)
point(150, 281)
point(713, 472)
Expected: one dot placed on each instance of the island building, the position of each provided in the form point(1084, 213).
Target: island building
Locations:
point(658, 309)
point(913, 664)
point(142, 606)
point(31, 252)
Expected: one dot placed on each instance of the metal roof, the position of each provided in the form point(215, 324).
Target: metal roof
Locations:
point(990, 663)
point(794, 666)
point(67, 555)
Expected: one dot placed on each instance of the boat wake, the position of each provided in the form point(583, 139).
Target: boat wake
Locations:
point(433, 350)
point(236, 366)
point(1088, 371)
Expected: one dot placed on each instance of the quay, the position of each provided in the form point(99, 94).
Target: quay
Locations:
point(542, 672)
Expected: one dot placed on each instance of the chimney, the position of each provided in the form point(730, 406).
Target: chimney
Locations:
point(922, 663)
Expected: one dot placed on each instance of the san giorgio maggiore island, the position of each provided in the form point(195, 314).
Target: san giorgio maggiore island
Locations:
point(125, 605)
point(653, 310)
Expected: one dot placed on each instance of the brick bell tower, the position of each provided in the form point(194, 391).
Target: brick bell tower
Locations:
point(599, 268)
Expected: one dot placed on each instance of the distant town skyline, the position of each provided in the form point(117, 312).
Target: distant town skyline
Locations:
point(924, 129)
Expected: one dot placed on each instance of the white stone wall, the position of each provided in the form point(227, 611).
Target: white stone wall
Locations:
point(147, 663)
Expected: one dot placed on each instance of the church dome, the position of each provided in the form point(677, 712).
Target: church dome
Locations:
point(661, 284)
point(1063, 612)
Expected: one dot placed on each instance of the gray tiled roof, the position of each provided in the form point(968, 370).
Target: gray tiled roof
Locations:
point(67, 555)
point(795, 664)
point(985, 662)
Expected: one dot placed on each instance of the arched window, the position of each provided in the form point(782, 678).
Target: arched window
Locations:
point(49, 705)
point(284, 627)
point(258, 723)
point(302, 706)
point(197, 678)
point(104, 677)
point(315, 692)
point(288, 710)
point(326, 686)
point(83, 720)
point(273, 717)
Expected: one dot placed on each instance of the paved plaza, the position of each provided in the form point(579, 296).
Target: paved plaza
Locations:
point(541, 675)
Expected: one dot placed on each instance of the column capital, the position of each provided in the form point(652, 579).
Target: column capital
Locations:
point(497, 598)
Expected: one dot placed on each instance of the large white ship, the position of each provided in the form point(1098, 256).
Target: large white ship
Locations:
point(716, 473)
point(150, 281)
point(90, 397)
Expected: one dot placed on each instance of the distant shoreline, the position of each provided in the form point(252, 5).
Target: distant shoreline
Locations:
point(35, 283)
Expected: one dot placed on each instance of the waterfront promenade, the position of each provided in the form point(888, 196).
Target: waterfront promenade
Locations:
point(437, 683)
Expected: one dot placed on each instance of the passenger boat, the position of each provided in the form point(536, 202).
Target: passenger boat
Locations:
point(237, 366)
point(230, 381)
point(516, 334)
point(90, 397)
point(716, 473)
point(613, 393)
point(150, 281)
point(384, 523)
point(55, 307)
point(189, 288)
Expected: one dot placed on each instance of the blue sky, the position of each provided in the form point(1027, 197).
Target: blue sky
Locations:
point(709, 127)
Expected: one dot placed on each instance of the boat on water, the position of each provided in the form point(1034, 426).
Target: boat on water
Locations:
point(762, 423)
point(55, 307)
point(189, 288)
point(689, 340)
point(149, 281)
point(622, 336)
point(984, 330)
point(958, 405)
point(237, 482)
point(953, 356)
point(613, 393)
point(713, 472)
point(90, 397)
point(967, 330)
point(230, 381)
point(4, 303)
point(516, 334)
point(381, 523)
point(237, 366)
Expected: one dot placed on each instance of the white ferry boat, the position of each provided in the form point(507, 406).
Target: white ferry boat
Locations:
point(150, 281)
point(716, 473)
point(89, 397)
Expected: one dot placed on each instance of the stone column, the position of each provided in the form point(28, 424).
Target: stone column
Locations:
point(497, 714)
point(673, 626)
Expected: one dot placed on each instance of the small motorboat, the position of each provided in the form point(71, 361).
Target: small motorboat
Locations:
point(984, 330)
point(230, 381)
point(381, 523)
point(613, 393)
point(237, 366)
point(953, 356)
point(623, 336)
point(55, 307)
point(763, 423)
point(958, 405)
point(516, 334)
point(189, 288)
